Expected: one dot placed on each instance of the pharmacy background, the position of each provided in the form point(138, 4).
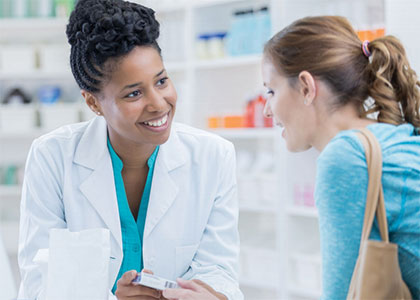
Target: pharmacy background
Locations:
point(212, 51)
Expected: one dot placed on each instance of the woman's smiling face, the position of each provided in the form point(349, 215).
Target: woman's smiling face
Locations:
point(138, 101)
point(285, 104)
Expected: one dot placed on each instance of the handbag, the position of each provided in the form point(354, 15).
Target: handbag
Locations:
point(377, 273)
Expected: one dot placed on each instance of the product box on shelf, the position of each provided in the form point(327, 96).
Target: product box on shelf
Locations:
point(17, 118)
point(54, 58)
point(253, 117)
point(56, 115)
point(17, 59)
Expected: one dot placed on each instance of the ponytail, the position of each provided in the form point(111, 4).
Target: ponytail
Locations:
point(329, 48)
point(392, 83)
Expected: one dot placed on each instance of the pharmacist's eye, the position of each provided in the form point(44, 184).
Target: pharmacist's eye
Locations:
point(270, 92)
point(133, 94)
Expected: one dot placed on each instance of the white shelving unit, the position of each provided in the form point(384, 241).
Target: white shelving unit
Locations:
point(35, 75)
point(10, 191)
point(9, 230)
point(27, 135)
point(247, 133)
point(32, 30)
point(301, 211)
point(304, 293)
point(228, 62)
point(276, 232)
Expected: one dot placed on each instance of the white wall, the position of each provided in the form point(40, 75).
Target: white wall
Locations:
point(403, 20)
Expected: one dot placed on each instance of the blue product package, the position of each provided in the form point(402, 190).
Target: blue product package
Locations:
point(49, 94)
point(263, 29)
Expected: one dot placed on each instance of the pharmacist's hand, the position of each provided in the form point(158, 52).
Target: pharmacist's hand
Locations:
point(127, 290)
point(193, 290)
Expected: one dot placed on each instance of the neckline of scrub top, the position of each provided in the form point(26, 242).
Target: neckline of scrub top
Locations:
point(116, 160)
point(131, 230)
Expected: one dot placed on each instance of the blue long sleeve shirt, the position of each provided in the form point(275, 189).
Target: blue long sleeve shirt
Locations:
point(340, 195)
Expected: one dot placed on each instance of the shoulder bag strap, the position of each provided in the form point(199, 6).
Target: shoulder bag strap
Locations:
point(375, 196)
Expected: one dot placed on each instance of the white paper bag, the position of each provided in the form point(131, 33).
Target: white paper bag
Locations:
point(78, 265)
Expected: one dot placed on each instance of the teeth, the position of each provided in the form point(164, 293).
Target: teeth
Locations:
point(158, 123)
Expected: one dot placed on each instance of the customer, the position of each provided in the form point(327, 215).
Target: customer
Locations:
point(166, 191)
point(319, 75)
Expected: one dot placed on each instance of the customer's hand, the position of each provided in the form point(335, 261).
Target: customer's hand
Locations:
point(127, 290)
point(193, 290)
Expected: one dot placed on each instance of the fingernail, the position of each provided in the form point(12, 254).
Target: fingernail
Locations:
point(180, 280)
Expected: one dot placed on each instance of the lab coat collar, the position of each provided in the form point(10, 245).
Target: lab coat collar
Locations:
point(92, 146)
point(171, 153)
point(99, 187)
point(164, 190)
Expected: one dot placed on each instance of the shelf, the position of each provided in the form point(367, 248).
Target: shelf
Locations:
point(165, 7)
point(36, 74)
point(302, 211)
point(31, 134)
point(10, 191)
point(304, 292)
point(257, 284)
point(258, 209)
point(209, 3)
point(176, 67)
point(255, 175)
point(246, 133)
point(16, 29)
point(31, 24)
point(227, 62)
point(10, 234)
point(307, 258)
point(259, 267)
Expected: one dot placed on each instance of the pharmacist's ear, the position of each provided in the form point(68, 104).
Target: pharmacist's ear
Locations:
point(92, 101)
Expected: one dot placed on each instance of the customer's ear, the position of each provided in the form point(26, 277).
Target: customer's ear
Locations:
point(307, 87)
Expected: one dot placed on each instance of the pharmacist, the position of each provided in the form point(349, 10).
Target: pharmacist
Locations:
point(166, 192)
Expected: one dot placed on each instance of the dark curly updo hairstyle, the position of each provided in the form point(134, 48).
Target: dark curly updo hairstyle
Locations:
point(102, 31)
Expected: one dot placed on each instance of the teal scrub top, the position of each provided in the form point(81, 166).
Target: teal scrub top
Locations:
point(132, 231)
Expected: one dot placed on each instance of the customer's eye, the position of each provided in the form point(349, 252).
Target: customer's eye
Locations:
point(162, 81)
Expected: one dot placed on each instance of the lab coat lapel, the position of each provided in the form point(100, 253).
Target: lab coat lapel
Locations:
point(164, 185)
point(99, 186)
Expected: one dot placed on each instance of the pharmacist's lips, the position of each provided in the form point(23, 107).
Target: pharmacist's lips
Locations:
point(157, 118)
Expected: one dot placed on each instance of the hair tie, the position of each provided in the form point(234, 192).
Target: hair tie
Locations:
point(365, 48)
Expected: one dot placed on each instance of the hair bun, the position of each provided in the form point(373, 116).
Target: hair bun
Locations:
point(99, 30)
point(105, 25)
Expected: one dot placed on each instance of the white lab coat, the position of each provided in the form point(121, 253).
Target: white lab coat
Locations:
point(191, 224)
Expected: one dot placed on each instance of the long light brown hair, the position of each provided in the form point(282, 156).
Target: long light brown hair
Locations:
point(329, 49)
